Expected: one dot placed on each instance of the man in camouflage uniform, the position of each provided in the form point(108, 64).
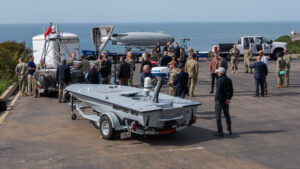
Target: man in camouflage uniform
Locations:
point(287, 58)
point(132, 68)
point(84, 65)
point(192, 68)
point(235, 54)
point(173, 73)
point(280, 68)
point(21, 71)
point(247, 58)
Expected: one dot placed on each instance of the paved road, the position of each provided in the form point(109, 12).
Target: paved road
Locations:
point(39, 133)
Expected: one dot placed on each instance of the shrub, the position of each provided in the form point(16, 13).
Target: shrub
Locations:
point(293, 47)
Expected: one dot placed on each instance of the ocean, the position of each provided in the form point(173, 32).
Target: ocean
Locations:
point(202, 35)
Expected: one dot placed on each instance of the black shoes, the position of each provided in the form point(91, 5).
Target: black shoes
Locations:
point(211, 92)
point(229, 131)
point(218, 134)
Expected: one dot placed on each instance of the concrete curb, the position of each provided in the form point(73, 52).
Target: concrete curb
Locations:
point(6, 96)
point(9, 108)
point(9, 92)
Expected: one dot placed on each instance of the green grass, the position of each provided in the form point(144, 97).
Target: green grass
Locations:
point(293, 47)
point(4, 85)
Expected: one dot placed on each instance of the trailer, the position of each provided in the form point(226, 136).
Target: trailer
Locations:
point(123, 110)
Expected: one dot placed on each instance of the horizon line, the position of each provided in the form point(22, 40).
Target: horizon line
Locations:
point(210, 22)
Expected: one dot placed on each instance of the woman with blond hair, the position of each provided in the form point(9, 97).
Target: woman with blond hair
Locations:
point(145, 61)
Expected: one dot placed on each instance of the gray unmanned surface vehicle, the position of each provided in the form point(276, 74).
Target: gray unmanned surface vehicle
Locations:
point(125, 110)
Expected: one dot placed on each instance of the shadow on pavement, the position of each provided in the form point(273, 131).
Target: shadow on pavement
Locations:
point(188, 136)
point(261, 132)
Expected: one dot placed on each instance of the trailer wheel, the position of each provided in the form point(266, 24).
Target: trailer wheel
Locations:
point(106, 129)
point(74, 117)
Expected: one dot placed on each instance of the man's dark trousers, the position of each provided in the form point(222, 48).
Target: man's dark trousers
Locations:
point(218, 110)
point(261, 83)
point(214, 76)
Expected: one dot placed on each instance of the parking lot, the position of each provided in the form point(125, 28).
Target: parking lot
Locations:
point(39, 133)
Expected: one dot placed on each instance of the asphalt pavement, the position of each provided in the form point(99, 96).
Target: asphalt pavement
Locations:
point(39, 133)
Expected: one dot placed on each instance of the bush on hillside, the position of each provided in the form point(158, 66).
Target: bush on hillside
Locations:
point(293, 47)
point(10, 52)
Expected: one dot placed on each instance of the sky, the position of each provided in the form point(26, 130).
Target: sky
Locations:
point(110, 11)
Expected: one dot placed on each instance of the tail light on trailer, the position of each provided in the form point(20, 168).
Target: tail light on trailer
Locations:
point(194, 119)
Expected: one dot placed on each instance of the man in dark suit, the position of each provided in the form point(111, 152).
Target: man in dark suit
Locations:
point(93, 75)
point(260, 73)
point(63, 77)
point(224, 92)
point(165, 59)
point(123, 72)
point(181, 82)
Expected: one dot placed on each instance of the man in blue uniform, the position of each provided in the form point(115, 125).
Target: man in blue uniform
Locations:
point(224, 92)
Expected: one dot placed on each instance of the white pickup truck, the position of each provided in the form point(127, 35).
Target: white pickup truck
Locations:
point(255, 43)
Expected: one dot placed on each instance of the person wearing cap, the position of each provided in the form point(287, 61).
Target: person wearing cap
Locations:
point(280, 70)
point(247, 58)
point(287, 57)
point(190, 53)
point(224, 93)
point(173, 73)
point(260, 73)
point(265, 60)
point(192, 68)
point(235, 54)
point(181, 82)
point(123, 72)
point(84, 65)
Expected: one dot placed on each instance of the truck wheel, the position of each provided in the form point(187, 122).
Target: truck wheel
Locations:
point(275, 54)
point(106, 129)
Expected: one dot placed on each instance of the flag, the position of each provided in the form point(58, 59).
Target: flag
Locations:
point(48, 31)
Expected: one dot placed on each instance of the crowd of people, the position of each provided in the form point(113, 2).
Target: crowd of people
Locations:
point(184, 70)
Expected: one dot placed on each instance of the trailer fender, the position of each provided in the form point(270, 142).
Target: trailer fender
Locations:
point(114, 120)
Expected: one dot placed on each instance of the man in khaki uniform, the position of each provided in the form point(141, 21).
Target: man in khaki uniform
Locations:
point(192, 68)
point(247, 58)
point(287, 57)
point(84, 65)
point(132, 68)
point(173, 73)
point(280, 68)
point(70, 62)
point(235, 54)
point(21, 71)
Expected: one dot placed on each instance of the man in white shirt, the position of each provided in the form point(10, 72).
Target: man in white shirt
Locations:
point(265, 60)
